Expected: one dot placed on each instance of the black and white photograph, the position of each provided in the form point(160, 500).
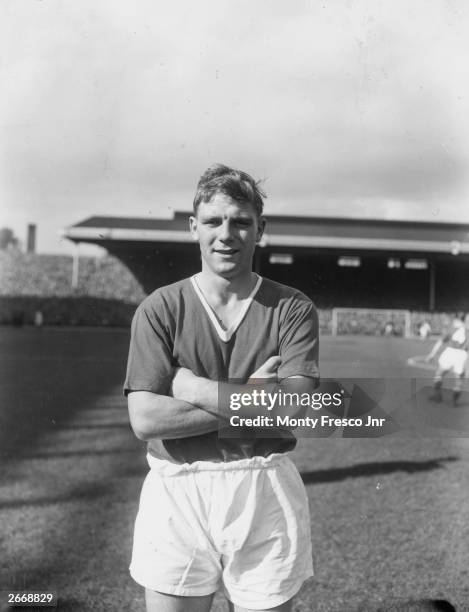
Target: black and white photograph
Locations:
point(234, 306)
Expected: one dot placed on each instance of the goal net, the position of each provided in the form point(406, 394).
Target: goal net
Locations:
point(371, 322)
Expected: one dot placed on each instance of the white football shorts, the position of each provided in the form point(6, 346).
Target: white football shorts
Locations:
point(453, 359)
point(243, 525)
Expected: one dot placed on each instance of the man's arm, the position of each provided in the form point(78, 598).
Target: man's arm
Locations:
point(206, 394)
point(159, 416)
point(153, 413)
point(436, 347)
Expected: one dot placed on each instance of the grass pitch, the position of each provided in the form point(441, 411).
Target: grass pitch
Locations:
point(389, 516)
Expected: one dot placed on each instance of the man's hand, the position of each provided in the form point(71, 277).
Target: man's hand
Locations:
point(187, 386)
point(205, 394)
point(268, 370)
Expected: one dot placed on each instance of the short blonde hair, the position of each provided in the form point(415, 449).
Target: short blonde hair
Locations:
point(237, 184)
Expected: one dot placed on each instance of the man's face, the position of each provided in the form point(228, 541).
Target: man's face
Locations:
point(227, 232)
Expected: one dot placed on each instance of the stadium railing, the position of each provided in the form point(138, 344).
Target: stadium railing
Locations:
point(371, 322)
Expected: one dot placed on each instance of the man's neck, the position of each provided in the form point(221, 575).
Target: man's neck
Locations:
point(224, 290)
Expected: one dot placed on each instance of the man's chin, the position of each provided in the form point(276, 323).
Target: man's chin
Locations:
point(228, 270)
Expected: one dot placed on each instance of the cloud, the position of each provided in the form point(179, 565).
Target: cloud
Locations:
point(359, 106)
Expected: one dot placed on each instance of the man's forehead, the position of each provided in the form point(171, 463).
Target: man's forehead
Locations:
point(221, 204)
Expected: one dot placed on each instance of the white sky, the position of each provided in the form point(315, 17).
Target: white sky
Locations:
point(346, 108)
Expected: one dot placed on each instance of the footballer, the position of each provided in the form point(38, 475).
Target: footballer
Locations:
point(219, 512)
point(453, 358)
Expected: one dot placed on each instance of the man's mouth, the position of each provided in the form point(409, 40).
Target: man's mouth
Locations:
point(226, 251)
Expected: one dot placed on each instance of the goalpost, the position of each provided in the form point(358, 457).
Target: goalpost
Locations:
point(371, 321)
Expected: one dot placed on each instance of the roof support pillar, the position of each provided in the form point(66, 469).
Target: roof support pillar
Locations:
point(432, 287)
point(75, 265)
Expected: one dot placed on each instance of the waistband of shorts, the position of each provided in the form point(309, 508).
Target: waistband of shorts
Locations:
point(252, 463)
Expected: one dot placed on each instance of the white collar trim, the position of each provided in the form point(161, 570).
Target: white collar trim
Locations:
point(225, 335)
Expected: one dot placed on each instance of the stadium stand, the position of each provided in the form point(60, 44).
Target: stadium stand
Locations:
point(106, 293)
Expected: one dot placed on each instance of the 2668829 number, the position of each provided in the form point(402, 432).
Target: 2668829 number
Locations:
point(26, 598)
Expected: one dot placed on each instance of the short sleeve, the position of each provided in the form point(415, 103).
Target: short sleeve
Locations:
point(299, 340)
point(149, 365)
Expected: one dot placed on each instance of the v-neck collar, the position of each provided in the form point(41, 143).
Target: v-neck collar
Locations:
point(225, 335)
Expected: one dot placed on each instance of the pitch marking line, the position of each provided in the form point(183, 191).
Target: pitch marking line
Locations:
point(419, 362)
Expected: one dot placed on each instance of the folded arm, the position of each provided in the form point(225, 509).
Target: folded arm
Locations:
point(195, 409)
point(159, 416)
point(206, 394)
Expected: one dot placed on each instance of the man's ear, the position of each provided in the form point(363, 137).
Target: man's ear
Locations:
point(260, 228)
point(193, 227)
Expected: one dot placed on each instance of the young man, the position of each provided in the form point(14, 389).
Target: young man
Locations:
point(453, 357)
point(219, 511)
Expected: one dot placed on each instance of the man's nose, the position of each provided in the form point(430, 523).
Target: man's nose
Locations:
point(226, 233)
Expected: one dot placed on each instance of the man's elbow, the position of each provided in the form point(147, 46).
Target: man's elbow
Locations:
point(141, 416)
point(140, 433)
point(139, 426)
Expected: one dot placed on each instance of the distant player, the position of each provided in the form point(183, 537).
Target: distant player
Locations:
point(219, 512)
point(389, 329)
point(453, 358)
point(424, 330)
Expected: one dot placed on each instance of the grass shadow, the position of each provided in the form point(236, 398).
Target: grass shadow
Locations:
point(48, 377)
point(361, 470)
